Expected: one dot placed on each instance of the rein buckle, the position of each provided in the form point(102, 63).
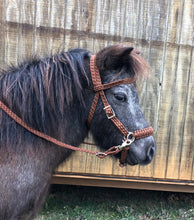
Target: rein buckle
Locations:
point(127, 142)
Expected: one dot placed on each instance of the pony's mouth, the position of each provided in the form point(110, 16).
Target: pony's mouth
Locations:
point(141, 154)
point(132, 160)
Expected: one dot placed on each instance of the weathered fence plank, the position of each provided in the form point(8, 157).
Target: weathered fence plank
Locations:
point(187, 152)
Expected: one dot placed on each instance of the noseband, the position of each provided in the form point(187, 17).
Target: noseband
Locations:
point(99, 88)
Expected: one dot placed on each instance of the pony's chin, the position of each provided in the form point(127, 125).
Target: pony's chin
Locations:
point(132, 161)
point(136, 162)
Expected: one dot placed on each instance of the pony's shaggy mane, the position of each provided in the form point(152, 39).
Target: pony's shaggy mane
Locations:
point(41, 88)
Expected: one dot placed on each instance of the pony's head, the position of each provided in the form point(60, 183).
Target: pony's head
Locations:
point(115, 63)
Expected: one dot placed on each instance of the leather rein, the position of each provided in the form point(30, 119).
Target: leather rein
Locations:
point(99, 88)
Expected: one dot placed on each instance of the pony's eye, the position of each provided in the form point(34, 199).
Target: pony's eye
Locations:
point(120, 96)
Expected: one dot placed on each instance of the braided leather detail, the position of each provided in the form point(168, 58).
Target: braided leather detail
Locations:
point(92, 109)
point(142, 133)
point(38, 133)
point(105, 86)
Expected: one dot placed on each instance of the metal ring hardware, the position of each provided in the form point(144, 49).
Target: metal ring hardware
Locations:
point(113, 113)
point(127, 141)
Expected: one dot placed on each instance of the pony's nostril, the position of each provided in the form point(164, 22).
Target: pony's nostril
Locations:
point(150, 153)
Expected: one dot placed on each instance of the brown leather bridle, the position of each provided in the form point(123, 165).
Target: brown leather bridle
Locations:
point(99, 88)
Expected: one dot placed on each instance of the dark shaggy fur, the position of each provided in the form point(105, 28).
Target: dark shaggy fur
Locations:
point(53, 95)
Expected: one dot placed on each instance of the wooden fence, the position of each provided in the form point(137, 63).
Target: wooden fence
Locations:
point(163, 31)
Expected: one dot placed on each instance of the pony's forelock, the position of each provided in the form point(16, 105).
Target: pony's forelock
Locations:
point(139, 64)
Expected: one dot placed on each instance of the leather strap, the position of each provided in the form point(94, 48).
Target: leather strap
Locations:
point(98, 88)
point(111, 151)
point(99, 92)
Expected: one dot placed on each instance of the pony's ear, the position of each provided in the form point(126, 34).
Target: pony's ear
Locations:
point(113, 57)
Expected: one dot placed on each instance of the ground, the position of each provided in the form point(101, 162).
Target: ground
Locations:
point(81, 203)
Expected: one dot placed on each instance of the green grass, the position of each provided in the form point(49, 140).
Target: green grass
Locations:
point(81, 203)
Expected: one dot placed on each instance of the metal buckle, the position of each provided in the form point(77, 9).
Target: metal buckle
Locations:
point(126, 142)
point(101, 154)
point(113, 113)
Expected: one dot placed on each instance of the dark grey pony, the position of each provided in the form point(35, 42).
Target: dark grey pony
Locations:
point(54, 95)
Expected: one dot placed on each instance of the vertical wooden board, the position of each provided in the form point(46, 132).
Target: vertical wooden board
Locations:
point(78, 161)
point(42, 30)
point(85, 24)
point(57, 25)
point(67, 40)
point(66, 166)
point(11, 19)
point(92, 162)
point(177, 120)
point(116, 169)
point(102, 17)
point(50, 22)
point(71, 12)
point(187, 155)
point(187, 23)
point(11, 42)
point(49, 27)
point(115, 21)
point(132, 170)
point(42, 40)
point(122, 21)
point(86, 42)
point(56, 40)
point(12, 10)
point(86, 16)
point(43, 13)
point(174, 21)
point(27, 12)
point(98, 44)
point(165, 111)
point(1, 11)
point(160, 18)
point(25, 29)
point(25, 42)
point(130, 19)
point(145, 20)
point(71, 24)
point(105, 166)
point(71, 41)
point(100, 25)
point(57, 13)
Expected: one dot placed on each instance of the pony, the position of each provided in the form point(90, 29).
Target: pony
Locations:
point(53, 95)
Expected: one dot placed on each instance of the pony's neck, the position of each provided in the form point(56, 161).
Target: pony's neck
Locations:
point(47, 94)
